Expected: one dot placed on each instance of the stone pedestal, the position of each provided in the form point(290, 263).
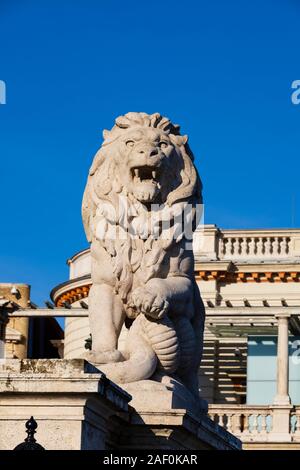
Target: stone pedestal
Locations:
point(73, 405)
point(175, 430)
point(167, 416)
point(162, 395)
point(281, 423)
point(78, 408)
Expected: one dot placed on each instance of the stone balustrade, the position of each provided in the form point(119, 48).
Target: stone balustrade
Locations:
point(243, 420)
point(213, 243)
point(253, 423)
point(254, 246)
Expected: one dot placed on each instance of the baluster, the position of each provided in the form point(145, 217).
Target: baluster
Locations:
point(254, 424)
point(229, 422)
point(244, 246)
point(217, 419)
point(223, 420)
point(267, 246)
point(281, 246)
point(246, 423)
point(284, 246)
point(263, 428)
point(259, 246)
point(222, 247)
point(229, 247)
point(252, 246)
point(236, 424)
point(236, 246)
point(276, 246)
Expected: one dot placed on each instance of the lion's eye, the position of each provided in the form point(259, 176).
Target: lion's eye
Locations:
point(130, 143)
point(163, 145)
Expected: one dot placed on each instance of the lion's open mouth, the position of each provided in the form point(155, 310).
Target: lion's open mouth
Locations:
point(145, 174)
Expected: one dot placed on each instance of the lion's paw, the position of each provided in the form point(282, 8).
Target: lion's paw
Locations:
point(103, 357)
point(150, 303)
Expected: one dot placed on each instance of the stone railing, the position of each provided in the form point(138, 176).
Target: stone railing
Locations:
point(254, 246)
point(216, 244)
point(254, 423)
point(243, 420)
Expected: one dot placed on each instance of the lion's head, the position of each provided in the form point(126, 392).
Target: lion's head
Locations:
point(145, 158)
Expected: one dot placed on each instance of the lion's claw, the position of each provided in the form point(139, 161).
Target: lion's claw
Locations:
point(152, 304)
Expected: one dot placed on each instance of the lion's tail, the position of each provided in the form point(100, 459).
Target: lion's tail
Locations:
point(142, 360)
point(150, 345)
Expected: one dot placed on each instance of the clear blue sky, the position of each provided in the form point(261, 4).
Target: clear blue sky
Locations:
point(223, 70)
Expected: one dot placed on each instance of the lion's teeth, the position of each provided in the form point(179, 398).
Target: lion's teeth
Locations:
point(153, 174)
point(136, 172)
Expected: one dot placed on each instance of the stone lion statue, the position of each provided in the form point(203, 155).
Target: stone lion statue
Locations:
point(141, 186)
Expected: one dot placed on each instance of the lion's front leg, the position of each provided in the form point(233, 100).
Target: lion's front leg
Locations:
point(159, 296)
point(106, 319)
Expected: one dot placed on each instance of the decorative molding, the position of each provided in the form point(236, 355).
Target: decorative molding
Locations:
point(73, 294)
point(235, 277)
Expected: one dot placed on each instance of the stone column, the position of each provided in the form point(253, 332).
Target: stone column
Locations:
point(282, 392)
point(282, 402)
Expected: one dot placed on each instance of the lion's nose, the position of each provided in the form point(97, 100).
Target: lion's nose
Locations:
point(148, 152)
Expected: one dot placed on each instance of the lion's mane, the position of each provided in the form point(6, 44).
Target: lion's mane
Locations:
point(105, 189)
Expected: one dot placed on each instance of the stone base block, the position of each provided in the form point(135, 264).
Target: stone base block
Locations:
point(167, 416)
point(74, 409)
point(165, 394)
point(175, 430)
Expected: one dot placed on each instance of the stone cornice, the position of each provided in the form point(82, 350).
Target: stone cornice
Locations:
point(78, 289)
point(244, 276)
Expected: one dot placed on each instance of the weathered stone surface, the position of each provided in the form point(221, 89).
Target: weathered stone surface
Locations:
point(138, 207)
point(175, 430)
point(78, 410)
point(163, 394)
point(73, 403)
point(59, 376)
